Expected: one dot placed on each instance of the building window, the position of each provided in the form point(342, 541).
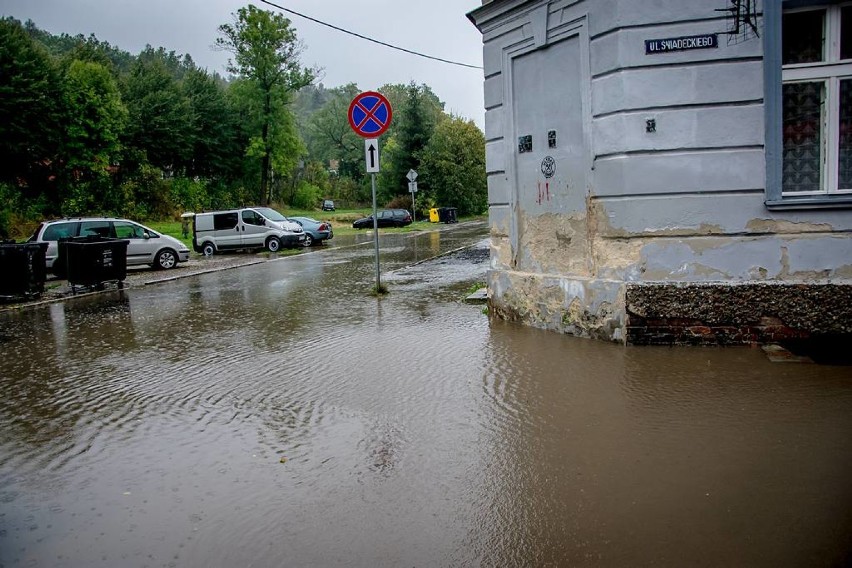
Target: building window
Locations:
point(816, 102)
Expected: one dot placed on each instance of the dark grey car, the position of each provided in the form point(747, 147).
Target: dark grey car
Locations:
point(386, 218)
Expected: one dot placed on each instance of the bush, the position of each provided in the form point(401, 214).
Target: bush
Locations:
point(8, 204)
point(189, 195)
point(307, 196)
point(405, 202)
point(400, 202)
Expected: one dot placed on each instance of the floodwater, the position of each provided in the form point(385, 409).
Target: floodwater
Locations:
point(278, 415)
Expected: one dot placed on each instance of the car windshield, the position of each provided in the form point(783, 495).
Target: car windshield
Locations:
point(271, 214)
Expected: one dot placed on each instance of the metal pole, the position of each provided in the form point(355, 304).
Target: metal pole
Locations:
point(376, 233)
point(413, 207)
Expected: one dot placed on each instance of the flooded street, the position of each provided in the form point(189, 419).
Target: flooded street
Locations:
point(279, 415)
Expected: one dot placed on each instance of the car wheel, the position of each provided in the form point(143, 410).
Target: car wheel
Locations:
point(166, 258)
point(273, 244)
point(208, 249)
point(309, 240)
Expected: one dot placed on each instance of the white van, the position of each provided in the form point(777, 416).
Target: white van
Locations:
point(246, 228)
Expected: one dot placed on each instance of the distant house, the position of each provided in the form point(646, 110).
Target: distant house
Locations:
point(666, 171)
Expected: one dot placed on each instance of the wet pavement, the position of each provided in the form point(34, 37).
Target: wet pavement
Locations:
point(279, 415)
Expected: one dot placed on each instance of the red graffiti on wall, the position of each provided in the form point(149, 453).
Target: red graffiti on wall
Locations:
point(543, 193)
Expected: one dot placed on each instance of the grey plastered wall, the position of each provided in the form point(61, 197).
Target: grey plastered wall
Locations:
point(682, 204)
point(702, 173)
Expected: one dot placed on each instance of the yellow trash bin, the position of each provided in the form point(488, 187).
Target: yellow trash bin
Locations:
point(433, 216)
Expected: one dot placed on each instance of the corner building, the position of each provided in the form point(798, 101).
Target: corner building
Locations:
point(670, 171)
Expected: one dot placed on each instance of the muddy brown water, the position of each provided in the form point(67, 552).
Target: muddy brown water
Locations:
point(278, 415)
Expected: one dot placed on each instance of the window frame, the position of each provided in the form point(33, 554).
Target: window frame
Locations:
point(96, 229)
point(226, 221)
point(774, 77)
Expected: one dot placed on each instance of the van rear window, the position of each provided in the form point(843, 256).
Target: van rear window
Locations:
point(224, 221)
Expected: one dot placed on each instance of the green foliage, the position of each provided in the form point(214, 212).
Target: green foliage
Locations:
point(216, 147)
point(145, 194)
point(87, 128)
point(266, 54)
point(95, 118)
point(307, 196)
point(265, 48)
point(454, 166)
point(189, 195)
point(160, 119)
point(379, 290)
point(91, 196)
point(346, 189)
point(415, 116)
point(330, 138)
point(31, 111)
point(400, 202)
point(9, 198)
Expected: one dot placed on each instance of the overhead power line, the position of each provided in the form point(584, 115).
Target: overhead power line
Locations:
point(369, 38)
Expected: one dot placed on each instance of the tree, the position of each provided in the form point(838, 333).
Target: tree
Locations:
point(266, 52)
point(216, 149)
point(31, 112)
point(160, 119)
point(415, 118)
point(95, 120)
point(283, 148)
point(96, 116)
point(330, 137)
point(453, 164)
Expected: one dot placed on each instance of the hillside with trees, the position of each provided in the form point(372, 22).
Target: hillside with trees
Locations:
point(87, 128)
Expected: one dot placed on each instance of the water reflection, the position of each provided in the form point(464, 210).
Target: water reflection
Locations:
point(618, 456)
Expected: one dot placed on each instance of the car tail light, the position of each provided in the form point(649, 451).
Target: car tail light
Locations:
point(323, 227)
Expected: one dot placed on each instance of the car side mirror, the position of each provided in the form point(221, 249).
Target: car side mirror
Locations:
point(146, 235)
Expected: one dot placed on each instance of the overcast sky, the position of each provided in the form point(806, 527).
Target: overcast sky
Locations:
point(435, 27)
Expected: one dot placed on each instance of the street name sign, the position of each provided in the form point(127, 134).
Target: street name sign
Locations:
point(705, 41)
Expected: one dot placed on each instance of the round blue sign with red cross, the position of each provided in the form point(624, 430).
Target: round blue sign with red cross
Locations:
point(370, 114)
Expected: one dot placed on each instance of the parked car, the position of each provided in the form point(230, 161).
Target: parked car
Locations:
point(386, 218)
point(315, 231)
point(145, 245)
point(246, 228)
point(328, 205)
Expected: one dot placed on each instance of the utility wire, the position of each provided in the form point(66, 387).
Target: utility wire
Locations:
point(369, 38)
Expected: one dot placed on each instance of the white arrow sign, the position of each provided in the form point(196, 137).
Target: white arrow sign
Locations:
point(412, 175)
point(371, 154)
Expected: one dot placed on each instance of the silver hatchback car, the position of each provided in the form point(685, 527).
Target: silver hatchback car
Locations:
point(145, 245)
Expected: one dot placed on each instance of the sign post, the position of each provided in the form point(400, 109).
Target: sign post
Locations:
point(370, 116)
point(412, 189)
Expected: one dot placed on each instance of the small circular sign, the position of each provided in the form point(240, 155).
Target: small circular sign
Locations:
point(370, 114)
point(548, 166)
